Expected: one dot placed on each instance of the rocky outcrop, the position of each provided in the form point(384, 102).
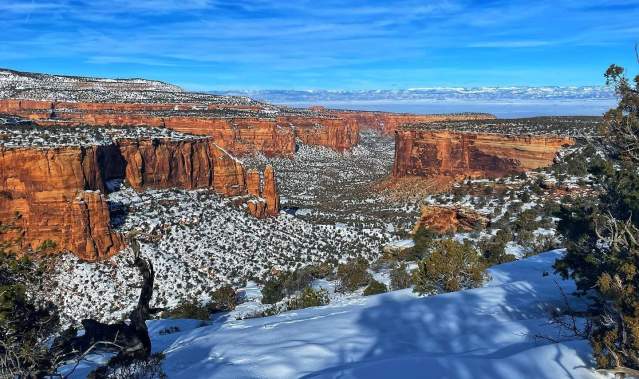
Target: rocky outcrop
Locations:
point(237, 135)
point(266, 200)
point(443, 219)
point(270, 193)
point(459, 155)
point(339, 134)
point(165, 163)
point(53, 198)
point(387, 123)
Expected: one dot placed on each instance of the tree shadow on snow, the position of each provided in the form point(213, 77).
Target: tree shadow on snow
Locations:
point(461, 335)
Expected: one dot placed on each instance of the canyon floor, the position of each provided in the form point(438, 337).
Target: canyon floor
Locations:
point(336, 206)
point(199, 241)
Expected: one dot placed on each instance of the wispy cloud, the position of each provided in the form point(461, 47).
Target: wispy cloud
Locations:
point(511, 44)
point(330, 44)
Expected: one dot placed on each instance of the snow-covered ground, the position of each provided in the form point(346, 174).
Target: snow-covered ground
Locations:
point(324, 186)
point(489, 332)
point(198, 242)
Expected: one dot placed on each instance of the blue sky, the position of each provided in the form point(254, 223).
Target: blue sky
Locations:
point(332, 44)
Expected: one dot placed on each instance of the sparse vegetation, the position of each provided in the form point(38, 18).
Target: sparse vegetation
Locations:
point(353, 275)
point(450, 266)
point(400, 278)
point(224, 298)
point(190, 309)
point(374, 287)
point(309, 297)
point(273, 291)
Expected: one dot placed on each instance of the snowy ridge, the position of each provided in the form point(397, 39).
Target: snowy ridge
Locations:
point(23, 80)
point(481, 333)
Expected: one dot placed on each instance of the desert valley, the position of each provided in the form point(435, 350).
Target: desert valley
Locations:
point(264, 189)
point(269, 202)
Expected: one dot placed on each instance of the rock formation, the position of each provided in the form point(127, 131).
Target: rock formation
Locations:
point(269, 192)
point(53, 198)
point(433, 153)
point(339, 134)
point(238, 129)
point(166, 163)
point(266, 200)
point(387, 123)
point(449, 219)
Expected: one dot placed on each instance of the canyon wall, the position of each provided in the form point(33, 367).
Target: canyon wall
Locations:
point(336, 133)
point(462, 155)
point(238, 134)
point(53, 198)
point(162, 163)
point(387, 123)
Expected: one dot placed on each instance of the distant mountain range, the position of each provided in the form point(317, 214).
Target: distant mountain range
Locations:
point(434, 94)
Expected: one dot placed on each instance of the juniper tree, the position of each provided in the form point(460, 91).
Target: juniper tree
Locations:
point(450, 266)
point(603, 236)
point(24, 325)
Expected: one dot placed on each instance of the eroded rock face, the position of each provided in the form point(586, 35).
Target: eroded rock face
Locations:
point(54, 197)
point(449, 219)
point(387, 123)
point(339, 134)
point(245, 132)
point(164, 163)
point(266, 199)
point(269, 192)
point(471, 155)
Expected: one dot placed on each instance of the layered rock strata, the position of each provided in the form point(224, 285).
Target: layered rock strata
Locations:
point(53, 198)
point(459, 155)
point(387, 123)
point(339, 134)
point(266, 200)
point(238, 129)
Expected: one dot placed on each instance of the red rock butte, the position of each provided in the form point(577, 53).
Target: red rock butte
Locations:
point(461, 155)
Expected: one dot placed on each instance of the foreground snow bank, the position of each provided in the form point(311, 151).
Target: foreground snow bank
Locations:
point(481, 333)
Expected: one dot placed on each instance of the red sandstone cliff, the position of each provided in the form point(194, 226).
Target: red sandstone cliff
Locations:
point(45, 196)
point(165, 163)
point(339, 134)
point(387, 123)
point(237, 134)
point(266, 201)
point(471, 155)
point(55, 195)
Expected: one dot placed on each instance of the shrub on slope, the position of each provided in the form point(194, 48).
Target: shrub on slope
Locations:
point(451, 266)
